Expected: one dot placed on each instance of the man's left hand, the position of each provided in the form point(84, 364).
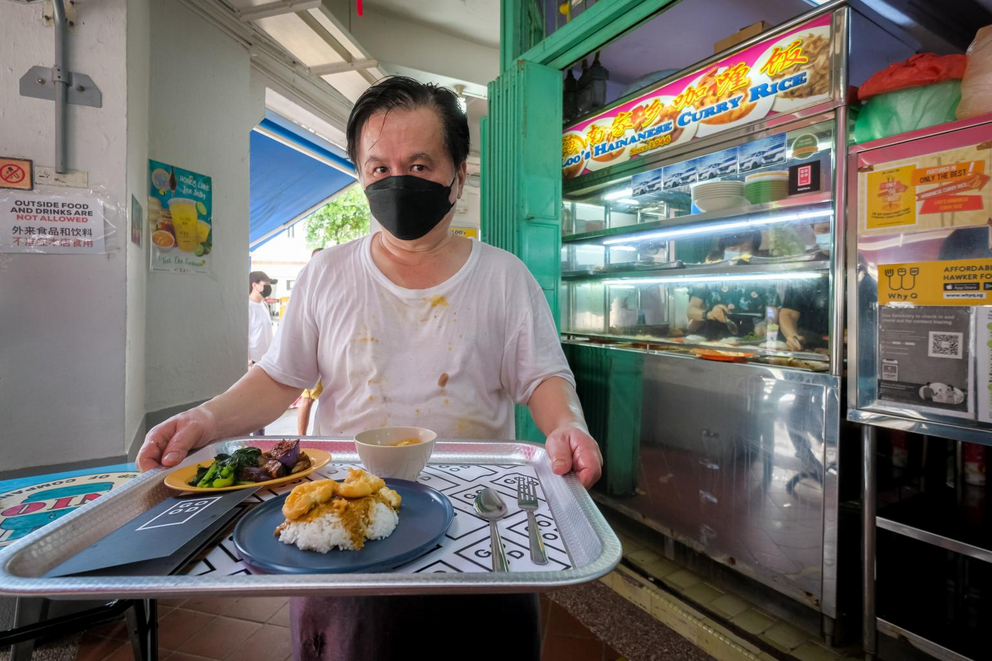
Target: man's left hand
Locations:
point(570, 448)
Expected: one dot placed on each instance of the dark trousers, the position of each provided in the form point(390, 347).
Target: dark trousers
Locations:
point(437, 627)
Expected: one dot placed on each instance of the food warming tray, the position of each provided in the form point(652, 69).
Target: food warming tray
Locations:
point(581, 545)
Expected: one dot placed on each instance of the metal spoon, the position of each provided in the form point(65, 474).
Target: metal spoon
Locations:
point(491, 507)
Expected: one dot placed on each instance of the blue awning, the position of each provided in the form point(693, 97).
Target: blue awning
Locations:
point(292, 175)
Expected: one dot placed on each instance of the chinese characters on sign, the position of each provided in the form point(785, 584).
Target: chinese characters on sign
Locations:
point(57, 225)
point(781, 74)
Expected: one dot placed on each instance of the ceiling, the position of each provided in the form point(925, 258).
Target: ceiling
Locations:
point(448, 42)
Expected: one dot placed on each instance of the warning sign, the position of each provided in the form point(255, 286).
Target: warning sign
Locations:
point(958, 282)
point(16, 173)
point(51, 224)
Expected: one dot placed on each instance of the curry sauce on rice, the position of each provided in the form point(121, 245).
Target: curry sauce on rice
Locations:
point(325, 514)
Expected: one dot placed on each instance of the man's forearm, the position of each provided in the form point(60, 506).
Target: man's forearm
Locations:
point(253, 402)
point(788, 320)
point(555, 404)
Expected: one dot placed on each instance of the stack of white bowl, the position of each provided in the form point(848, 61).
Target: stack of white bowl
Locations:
point(718, 195)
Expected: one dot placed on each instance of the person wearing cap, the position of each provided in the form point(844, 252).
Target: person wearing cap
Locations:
point(259, 319)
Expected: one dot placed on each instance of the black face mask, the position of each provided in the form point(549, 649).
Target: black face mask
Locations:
point(409, 207)
point(266, 291)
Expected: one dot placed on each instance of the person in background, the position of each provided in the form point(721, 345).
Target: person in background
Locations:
point(804, 319)
point(259, 317)
point(310, 395)
point(259, 320)
point(710, 306)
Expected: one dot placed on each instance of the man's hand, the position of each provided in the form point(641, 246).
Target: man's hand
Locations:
point(718, 313)
point(570, 448)
point(796, 342)
point(168, 443)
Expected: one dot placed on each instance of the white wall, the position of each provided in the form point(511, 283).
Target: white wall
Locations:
point(62, 317)
point(204, 101)
point(138, 56)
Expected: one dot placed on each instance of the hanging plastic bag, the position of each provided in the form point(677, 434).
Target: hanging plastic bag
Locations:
point(976, 87)
point(907, 110)
point(917, 71)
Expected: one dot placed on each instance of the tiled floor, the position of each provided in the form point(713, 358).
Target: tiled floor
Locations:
point(202, 630)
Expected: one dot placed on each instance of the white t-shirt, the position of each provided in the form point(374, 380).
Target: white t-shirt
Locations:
point(259, 330)
point(453, 358)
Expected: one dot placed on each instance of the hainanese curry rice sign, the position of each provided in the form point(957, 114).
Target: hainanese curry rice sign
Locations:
point(779, 75)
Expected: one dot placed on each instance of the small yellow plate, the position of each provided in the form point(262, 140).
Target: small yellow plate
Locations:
point(179, 479)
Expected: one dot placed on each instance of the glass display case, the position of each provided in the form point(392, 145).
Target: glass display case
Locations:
point(709, 253)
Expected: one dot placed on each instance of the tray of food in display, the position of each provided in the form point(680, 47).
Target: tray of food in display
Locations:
point(808, 365)
point(331, 527)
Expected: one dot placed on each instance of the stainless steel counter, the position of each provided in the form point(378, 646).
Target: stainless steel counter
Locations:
point(739, 461)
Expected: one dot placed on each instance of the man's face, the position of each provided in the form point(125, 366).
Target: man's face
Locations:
point(407, 142)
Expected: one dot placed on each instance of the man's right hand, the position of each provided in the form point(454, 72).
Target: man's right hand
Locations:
point(168, 443)
point(796, 342)
point(718, 313)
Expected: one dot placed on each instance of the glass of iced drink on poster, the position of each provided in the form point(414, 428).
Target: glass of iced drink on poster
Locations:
point(184, 223)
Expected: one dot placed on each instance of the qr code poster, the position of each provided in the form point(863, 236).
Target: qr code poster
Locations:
point(925, 359)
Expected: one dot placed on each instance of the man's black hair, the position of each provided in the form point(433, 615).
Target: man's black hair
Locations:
point(408, 94)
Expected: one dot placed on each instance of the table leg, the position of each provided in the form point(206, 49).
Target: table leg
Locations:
point(142, 626)
point(868, 502)
point(27, 610)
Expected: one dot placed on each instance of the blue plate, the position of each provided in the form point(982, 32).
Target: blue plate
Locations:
point(425, 515)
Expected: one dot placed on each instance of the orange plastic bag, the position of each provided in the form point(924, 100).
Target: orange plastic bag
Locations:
point(976, 87)
point(922, 69)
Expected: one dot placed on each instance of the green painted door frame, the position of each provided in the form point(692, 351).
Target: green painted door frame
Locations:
point(522, 26)
point(521, 193)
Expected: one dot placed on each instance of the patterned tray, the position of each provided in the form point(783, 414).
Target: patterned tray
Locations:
point(580, 545)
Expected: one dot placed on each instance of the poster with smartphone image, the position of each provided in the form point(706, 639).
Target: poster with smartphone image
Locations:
point(180, 219)
point(925, 359)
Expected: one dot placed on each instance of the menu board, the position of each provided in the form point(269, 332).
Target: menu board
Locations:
point(779, 75)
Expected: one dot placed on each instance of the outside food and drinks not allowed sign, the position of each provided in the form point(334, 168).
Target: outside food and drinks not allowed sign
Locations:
point(31, 223)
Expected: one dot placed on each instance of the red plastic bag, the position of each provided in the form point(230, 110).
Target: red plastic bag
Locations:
point(922, 69)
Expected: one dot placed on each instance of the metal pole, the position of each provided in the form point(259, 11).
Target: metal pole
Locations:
point(869, 630)
point(60, 77)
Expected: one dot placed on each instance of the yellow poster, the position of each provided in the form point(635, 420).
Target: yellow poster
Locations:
point(946, 189)
point(890, 198)
point(958, 282)
point(469, 232)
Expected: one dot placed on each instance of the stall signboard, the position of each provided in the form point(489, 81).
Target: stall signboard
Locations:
point(56, 224)
point(779, 75)
point(928, 191)
point(925, 359)
point(180, 219)
point(954, 282)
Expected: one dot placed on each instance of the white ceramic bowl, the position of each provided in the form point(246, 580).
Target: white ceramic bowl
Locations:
point(379, 455)
point(708, 204)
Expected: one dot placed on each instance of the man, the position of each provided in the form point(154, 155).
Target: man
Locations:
point(412, 325)
point(310, 395)
point(259, 318)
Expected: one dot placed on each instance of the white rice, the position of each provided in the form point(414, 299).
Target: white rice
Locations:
point(328, 533)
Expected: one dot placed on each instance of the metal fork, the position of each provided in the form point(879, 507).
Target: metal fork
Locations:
point(527, 501)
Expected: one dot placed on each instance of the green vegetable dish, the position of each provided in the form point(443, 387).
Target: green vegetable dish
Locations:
point(250, 465)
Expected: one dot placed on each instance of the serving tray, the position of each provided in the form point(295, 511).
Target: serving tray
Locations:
point(580, 544)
